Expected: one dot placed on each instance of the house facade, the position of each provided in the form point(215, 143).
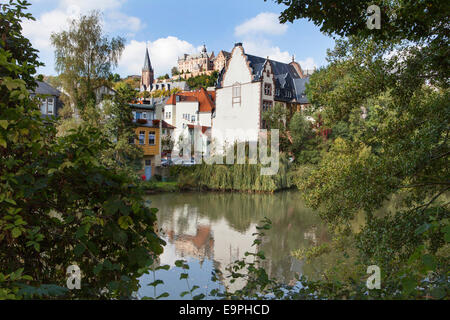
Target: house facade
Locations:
point(187, 110)
point(221, 60)
point(247, 87)
point(148, 137)
point(50, 104)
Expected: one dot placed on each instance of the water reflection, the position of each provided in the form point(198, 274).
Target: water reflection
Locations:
point(212, 230)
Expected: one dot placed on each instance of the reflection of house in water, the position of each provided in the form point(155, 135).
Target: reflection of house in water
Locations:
point(194, 235)
point(199, 246)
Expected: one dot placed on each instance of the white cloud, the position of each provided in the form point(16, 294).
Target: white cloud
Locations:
point(86, 5)
point(39, 31)
point(164, 53)
point(264, 48)
point(133, 24)
point(308, 63)
point(263, 23)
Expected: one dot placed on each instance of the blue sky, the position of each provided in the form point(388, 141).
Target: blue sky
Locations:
point(173, 27)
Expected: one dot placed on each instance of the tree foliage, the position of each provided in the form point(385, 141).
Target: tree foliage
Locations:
point(385, 95)
point(59, 204)
point(84, 57)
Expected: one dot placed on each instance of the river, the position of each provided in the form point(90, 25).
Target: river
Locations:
point(212, 230)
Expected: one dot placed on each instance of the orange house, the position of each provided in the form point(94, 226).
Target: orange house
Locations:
point(148, 137)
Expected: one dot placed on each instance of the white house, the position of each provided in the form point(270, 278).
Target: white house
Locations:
point(248, 86)
point(187, 111)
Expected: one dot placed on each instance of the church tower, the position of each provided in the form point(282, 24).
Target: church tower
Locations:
point(147, 74)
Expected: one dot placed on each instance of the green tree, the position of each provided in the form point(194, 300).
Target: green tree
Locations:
point(84, 57)
point(60, 206)
point(386, 96)
point(175, 71)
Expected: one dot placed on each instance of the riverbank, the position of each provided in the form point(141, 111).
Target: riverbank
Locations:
point(244, 178)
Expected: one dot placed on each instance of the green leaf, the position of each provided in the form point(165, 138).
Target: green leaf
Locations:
point(429, 261)
point(184, 276)
point(164, 295)
point(16, 232)
point(179, 263)
point(4, 124)
point(79, 249)
point(125, 222)
point(156, 283)
point(446, 231)
point(423, 228)
point(199, 297)
point(165, 267)
point(184, 293)
point(98, 268)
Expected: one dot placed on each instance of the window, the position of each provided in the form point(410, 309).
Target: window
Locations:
point(50, 105)
point(142, 138)
point(138, 115)
point(47, 105)
point(144, 115)
point(193, 118)
point(237, 93)
point(148, 163)
point(267, 89)
point(267, 105)
point(151, 138)
point(288, 93)
point(277, 92)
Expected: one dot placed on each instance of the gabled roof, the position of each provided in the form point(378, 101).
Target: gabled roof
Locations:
point(278, 68)
point(45, 88)
point(206, 99)
point(286, 76)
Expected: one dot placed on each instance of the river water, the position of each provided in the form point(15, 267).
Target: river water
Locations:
point(212, 230)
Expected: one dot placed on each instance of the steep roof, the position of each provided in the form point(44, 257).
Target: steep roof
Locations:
point(45, 88)
point(147, 63)
point(278, 68)
point(300, 89)
point(287, 78)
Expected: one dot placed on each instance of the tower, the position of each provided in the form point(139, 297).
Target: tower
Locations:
point(147, 74)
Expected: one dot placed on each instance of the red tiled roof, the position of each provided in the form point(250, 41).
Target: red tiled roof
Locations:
point(167, 125)
point(204, 128)
point(206, 99)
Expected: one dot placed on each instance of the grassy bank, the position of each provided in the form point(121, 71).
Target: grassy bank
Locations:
point(240, 178)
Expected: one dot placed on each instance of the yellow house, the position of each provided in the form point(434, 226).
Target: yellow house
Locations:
point(148, 138)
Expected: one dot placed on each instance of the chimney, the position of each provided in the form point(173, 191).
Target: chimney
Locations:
point(238, 44)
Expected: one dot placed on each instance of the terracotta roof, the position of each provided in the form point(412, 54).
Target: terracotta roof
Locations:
point(204, 128)
point(167, 125)
point(206, 99)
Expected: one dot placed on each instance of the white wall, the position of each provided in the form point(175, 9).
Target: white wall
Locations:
point(234, 122)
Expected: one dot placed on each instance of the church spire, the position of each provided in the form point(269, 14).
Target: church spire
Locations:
point(147, 63)
point(147, 77)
